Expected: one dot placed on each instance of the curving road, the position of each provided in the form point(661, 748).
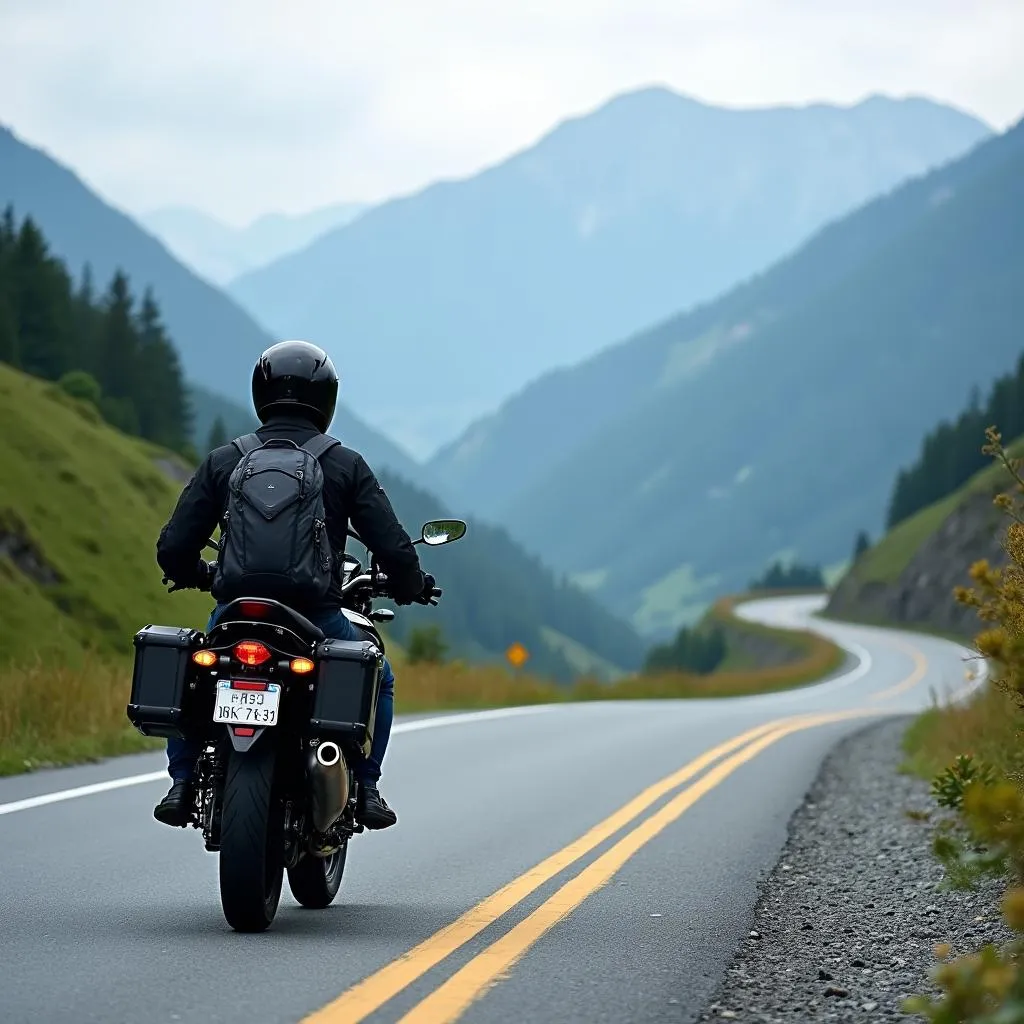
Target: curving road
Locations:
point(579, 863)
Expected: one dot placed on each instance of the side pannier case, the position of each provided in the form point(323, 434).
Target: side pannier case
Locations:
point(159, 704)
point(347, 683)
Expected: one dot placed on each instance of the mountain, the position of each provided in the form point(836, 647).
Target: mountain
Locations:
point(216, 340)
point(220, 252)
point(77, 550)
point(772, 422)
point(613, 220)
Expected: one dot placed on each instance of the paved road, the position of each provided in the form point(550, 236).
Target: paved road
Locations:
point(583, 863)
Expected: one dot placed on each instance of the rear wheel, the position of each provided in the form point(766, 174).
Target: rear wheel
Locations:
point(315, 881)
point(251, 841)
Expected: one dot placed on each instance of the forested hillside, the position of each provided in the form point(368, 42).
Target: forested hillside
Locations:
point(109, 347)
point(941, 520)
point(464, 292)
point(951, 453)
point(909, 576)
point(773, 422)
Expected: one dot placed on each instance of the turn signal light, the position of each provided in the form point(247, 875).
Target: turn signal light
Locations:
point(302, 665)
point(205, 658)
point(249, 652)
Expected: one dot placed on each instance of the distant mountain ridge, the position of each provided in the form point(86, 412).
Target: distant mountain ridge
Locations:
point(615, 219)
point(771, 422)
point(218, 342)
point(221, 252)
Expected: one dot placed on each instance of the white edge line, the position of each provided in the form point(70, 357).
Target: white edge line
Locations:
point(865, 663)
point(71, 794)
point(136, 780)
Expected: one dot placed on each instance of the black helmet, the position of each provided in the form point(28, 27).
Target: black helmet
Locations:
point(295, 375)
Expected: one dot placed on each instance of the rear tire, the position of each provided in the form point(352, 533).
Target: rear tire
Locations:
point(251, 841)
point(315, 881)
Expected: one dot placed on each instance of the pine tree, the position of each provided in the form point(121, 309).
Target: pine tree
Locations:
point(162, 400)
point(40, 289)
point(861, 545)
point(9, 348)
point(8, 321)
point(952, 453)
point(119, 343)
point(218, 435)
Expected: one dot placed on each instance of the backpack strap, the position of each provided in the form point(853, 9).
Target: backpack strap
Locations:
point(247, 443)
point(319, 445)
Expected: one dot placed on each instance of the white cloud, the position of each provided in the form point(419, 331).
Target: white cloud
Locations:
point(243, 106)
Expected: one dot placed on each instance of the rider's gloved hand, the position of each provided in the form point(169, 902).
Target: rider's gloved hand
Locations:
point(430, 591)
point(202, 580)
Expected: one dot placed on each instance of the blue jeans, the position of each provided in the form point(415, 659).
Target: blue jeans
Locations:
point(182, 755)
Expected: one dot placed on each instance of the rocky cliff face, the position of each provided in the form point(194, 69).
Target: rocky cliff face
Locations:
point(923, 593)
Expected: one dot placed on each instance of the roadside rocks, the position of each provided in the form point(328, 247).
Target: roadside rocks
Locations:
point(848, 920)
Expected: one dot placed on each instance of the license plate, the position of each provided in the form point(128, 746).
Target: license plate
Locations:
point(246, 707)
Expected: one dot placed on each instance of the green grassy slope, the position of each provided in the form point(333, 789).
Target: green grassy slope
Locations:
point(87, 502)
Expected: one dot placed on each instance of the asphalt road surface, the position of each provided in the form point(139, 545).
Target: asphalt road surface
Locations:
point(583, 863)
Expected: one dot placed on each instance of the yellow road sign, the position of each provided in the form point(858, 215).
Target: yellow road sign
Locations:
point(517, 655)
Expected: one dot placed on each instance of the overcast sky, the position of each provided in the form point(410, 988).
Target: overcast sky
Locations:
point(240, 107)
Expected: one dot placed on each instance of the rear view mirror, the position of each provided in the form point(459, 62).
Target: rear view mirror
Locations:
point(442, 531)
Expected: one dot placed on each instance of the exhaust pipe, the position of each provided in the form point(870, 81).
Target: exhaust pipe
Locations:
point(328, 784)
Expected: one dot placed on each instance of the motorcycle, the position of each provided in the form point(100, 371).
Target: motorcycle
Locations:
point(282, 712)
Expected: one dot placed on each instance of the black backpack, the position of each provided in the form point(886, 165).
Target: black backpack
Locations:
point(274, 532)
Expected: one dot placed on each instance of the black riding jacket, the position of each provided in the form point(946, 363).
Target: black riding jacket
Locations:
point(351, 494)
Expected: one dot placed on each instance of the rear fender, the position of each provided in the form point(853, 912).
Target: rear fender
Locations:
point(244, 743)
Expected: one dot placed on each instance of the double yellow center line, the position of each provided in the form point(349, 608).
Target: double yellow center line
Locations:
point(449, 1001)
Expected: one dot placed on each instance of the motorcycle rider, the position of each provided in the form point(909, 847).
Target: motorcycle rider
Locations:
point(294, 392)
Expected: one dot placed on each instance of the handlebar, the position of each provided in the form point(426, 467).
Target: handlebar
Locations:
point(379, 584)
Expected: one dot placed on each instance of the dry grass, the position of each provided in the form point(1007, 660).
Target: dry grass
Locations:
point(64, 715)
point(52, 715)
point(990, 727)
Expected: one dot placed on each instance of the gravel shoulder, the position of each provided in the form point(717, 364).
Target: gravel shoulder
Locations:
point(847, 921)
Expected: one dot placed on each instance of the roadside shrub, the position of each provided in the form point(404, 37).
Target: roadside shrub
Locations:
point(987, 987)
point(787, 577)
point(82, 385)
point(693, 650)
point(948, 787)
point(426, 646)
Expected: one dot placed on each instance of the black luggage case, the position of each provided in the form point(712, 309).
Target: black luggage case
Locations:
point(160, 698)
point(345, 702)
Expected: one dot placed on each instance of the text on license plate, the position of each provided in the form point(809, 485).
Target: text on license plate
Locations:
point(246, 707)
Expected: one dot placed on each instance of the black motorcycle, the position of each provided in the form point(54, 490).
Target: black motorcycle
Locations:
point(281, 712)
